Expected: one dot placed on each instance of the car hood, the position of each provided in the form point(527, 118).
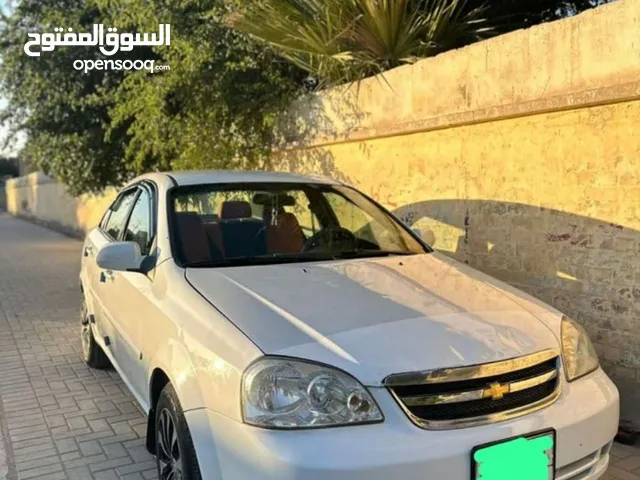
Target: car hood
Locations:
point(376, 317)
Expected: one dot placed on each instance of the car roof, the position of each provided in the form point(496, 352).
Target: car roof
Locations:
point(188, 178)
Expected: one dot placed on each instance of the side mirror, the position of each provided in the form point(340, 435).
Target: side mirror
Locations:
point(120, 256)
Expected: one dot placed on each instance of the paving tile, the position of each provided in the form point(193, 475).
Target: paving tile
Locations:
point(623, 451)
point(47, 471)
point(34, 456)
point(630, 463)
point(91, 447)
point(78, 473)
point(50, 459)
point(620, 474)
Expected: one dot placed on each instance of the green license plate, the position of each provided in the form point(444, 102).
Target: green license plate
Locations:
point(530, 457)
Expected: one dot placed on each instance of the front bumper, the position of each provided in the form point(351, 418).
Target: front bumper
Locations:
point(585, 418)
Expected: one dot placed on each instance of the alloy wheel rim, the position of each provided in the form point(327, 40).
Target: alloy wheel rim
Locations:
point(169, 458)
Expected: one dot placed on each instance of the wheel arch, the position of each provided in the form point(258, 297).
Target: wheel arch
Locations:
point(173, 365)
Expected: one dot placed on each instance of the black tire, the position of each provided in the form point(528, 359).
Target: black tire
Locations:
point(92, 353)
point(174, 445)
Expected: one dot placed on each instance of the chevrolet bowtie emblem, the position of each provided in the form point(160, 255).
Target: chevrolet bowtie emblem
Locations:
point(496, 391)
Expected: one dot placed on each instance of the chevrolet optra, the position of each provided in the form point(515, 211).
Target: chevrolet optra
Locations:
point(275, 326)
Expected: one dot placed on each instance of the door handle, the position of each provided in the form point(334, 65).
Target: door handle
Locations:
point(106, 276)
point(88, 250)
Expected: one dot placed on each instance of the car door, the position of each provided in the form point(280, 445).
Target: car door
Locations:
point(110, 230)
point(128, 295)
point(94, 240)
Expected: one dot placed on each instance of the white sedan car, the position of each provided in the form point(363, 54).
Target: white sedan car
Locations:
point(252, 314)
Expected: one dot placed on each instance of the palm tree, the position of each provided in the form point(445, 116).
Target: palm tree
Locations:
point(346, 40)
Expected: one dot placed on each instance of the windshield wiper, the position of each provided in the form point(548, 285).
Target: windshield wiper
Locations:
point(260, 260)
point(363, 253)
point(292, 258)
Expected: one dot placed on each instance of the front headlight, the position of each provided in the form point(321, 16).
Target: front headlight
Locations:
point(578, 354)
point(284, 393)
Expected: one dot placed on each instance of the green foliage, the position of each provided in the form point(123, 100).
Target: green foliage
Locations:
point(214, 108)
point(347, 40)
point(63, 112)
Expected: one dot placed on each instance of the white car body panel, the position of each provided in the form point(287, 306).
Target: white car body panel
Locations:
point(202, 327)
point(376, 317)
point(204, 357)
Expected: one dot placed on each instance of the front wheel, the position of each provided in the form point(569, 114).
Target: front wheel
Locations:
point(175, 453)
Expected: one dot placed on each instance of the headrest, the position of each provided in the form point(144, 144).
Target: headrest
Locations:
point(235, 209)
point(188, 219)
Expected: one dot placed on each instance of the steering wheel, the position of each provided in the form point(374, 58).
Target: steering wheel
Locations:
point(329, 235)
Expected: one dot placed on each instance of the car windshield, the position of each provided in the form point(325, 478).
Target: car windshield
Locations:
point(261, 223)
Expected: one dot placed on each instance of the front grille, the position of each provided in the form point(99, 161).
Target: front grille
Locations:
point(480, 394)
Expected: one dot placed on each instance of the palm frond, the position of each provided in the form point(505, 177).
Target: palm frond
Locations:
point(346, 40)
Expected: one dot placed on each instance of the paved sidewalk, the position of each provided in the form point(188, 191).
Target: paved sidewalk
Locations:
point(59, 419)
point(625, 463)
